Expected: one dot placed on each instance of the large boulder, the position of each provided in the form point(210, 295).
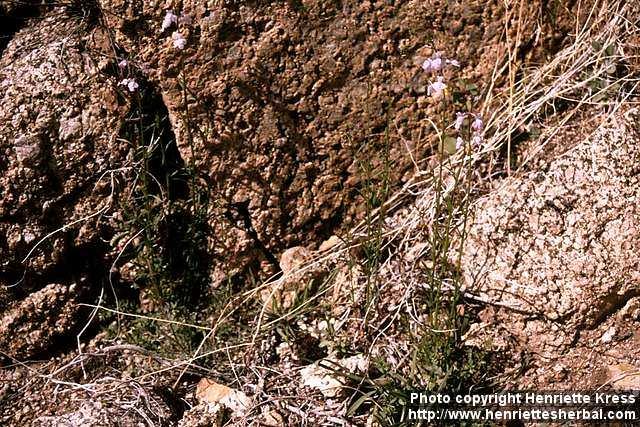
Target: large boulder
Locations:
point(59, 121)
point(284, 109)
point(555, 254)
point(281, 105)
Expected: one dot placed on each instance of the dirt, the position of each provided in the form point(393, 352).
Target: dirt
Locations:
point(34, 394)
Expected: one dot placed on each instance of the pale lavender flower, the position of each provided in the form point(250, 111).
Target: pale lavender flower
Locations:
point(459, 120)
point(436, 88)
point(436, 64)
point(432, 64)
point(131, 84)
point(459, 143)
point(179, 42)
point(476, 140)
point(169, 19)
point(426, 65)
point(123, 64)
point(477, 123)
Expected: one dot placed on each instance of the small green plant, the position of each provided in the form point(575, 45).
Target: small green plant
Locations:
point(438, 360)
point(165, 207)
point(375, 169)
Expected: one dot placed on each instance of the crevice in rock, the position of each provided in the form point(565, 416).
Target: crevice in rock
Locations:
point(166, 200)
point(612, 304)
point(149, 130)
point(239, 215)
point(13, 21)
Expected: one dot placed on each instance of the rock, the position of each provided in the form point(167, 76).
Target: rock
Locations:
point(327, 381)
point(209, 391)
point(282, 293)
point(294, 258)
point(50, 87)
point(556, 250)
point(27, 149)
point(624, 376)
point(283, 112)
point(330, 243)
point(608, 335)
point(38, 321)
point(631, 310)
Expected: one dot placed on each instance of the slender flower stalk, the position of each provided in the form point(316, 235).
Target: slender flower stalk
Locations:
point(459, 120)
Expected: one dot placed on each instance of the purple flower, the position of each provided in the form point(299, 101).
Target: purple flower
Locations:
point(123, 64)
point(477, 123)
point(179, 42)
point(437, 63)
point(432, 64)
point(459, 120)
point(426, 65)
point(476, 140)
point(131, 84)
point(436, 88)
point(459, 143)
point(169, 19)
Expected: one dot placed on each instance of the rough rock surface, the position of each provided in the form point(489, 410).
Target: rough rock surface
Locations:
point(285, 101)
point(35, 322)
point(58, 122)
point(287, 98)
point(556, 250)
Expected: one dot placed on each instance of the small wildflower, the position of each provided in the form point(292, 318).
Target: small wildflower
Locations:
point(131, 84)
point(476, 140)
point(169, 19)
point(437, 63)
point(432, 64)
point(459, 120)
point(459, 143)
point(477, 124)
point(123, 64)
point(436, 88)
point(179, 42)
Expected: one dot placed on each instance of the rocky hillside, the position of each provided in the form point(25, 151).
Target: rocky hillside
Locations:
point(207, 209)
